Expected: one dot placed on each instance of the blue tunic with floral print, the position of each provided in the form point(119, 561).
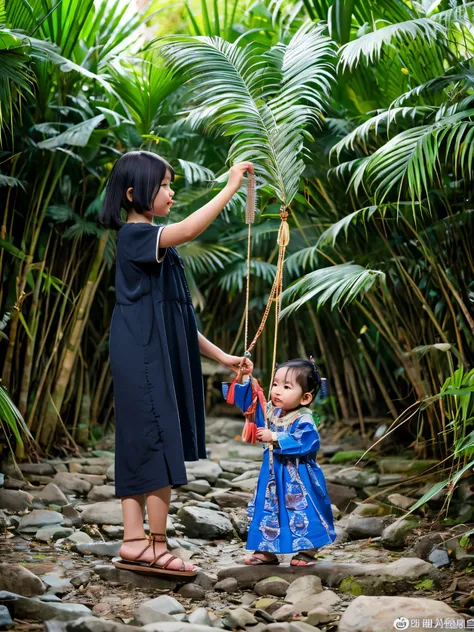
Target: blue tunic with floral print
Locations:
point(291, 510)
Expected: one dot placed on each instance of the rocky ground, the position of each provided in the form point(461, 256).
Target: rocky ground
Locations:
point(62, 526)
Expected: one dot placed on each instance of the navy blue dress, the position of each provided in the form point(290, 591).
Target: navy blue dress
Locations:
point(156, 366)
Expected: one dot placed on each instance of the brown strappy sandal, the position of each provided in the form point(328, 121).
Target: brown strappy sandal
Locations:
point(153, 567)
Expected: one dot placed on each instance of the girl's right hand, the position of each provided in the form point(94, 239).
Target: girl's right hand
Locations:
point(236, 175)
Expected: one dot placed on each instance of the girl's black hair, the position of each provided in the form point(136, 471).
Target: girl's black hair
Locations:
point(306, 374)
point(141, 170)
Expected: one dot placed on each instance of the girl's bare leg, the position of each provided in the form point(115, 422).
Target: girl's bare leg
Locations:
point(157, 503)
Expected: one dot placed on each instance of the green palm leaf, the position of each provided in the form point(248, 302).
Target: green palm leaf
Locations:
point(263, 101)
point(368, 48)
point(342, 284)
point(330, 235)
point(76, 135)
point(11, 417)
point(202, 258)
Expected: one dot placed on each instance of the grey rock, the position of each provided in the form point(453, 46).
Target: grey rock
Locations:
point(439, 557)
point(100, 549)
point(15, 483)
point(101, 493)
point(354, 477)
point(20, 580)
point(395, 534)
point(206, 581)
point(2, 479)
point(111, 472)
point(52, 495)
point(80, 537)
point(192, 591)
point(5, 521)
point(198, 486)
point(360, 527)
point(31, 608)
point(341, 495)
point(247, 485)
point(113, 531)
point(303, 587)
point(205, 523)
point(30, 523)
point(325, 599)
point(301, 626)
point(377, 614)
point(236, 467)
point(151, 611)
point(176, 626)
point(204, 469)
point(60, 467)
point(103, 513)
point(5, 618)
point(200, 616)
point(81, 579)
point(68, 483)
point(238, 619)
point(58, 585)
point(147, 613)
point(93, 624)
point(319, 615)
point(112, 574)
point(275, 586)
point(400, 501)
point(424, 545)
point(45, 534)
point(231, 499)
point(240, 521)
point(15, 500)
point(367, 510)
point(71, 513)
point(341, 534)
point(41, 469)
point(228, 585)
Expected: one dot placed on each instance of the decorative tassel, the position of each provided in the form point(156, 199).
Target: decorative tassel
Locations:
point(284, 232)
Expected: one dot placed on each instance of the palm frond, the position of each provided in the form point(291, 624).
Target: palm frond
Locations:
point(234, 277)
point(8, 181)
point(368, 48)
point(330, 235)
point(263, 102)
point(194, 172)
point(342, 284)
point(298, 262)
point(202, 258)
point(76, 135)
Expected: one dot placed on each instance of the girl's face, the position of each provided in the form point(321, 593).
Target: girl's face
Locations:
point(164, 198)
point(286, 393)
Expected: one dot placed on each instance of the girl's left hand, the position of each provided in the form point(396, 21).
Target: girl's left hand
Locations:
point(264, 435)
point(233, 363)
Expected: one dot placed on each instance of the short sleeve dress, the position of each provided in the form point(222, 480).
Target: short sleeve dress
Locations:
point(156, 365)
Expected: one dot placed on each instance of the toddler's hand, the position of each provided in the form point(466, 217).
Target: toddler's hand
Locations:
point(264, 435)
point(236, 175)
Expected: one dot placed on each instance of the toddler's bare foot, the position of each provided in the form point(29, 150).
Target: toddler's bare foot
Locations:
point(134, 551)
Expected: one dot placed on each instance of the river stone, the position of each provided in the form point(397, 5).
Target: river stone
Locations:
point(199, 486)
point(109, 573)
point(238, 618)
point(45, 534)
point(204, 523)
point(340, 495)
point(247, 485)
point(200, 616)
point(394, 465)
point(231, 499)
point(72, 483)
point(395, 534)
point(30, 608)
point(5, 618)
point(303, 587)
point(58, 585)
point(20, 580)
point(103, 513)
point(147, 613)
point(5, 521)
point(93, 624)
point(204, 469)
point(100, 549)
point(360, 527)
point(111, 472)
point(378, 614)
point(30, 523)
point(71, 513)
point(319, 615)
point(81, 579)
point(228, 585)
point(275, 586)
point(236, 467)
point(192, 591)
point(52, 495)
point(41, 469)
point(80, 537)
point(15, 500)
point(401, 501)
point(367, 510)
point(162, 604)
point(101, 493)
point(177, 626)
point(354, 477)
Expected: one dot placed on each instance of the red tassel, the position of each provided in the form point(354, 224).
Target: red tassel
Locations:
point(231, 392)
point(249, 433)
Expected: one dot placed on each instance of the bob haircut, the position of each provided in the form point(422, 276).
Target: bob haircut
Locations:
point(141, 170)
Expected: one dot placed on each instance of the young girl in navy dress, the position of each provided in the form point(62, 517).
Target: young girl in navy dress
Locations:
point(155, 352)
point(291, 511)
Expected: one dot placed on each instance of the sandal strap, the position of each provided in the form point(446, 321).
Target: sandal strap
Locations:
point(156, 537)
point(166, 564)
point(135, 539)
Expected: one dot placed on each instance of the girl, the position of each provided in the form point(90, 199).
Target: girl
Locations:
point(155, 353)
point(291, 511)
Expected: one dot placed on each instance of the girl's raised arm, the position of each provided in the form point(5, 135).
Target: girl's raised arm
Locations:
point(195, 224)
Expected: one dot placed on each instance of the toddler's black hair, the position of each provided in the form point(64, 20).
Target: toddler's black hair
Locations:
point(306, 374)
point(144, 171)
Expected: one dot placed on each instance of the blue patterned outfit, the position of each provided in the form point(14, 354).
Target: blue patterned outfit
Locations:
point(291, 510)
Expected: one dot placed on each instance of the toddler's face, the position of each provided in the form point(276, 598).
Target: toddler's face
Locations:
point(286, 393)
point(164, 198)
